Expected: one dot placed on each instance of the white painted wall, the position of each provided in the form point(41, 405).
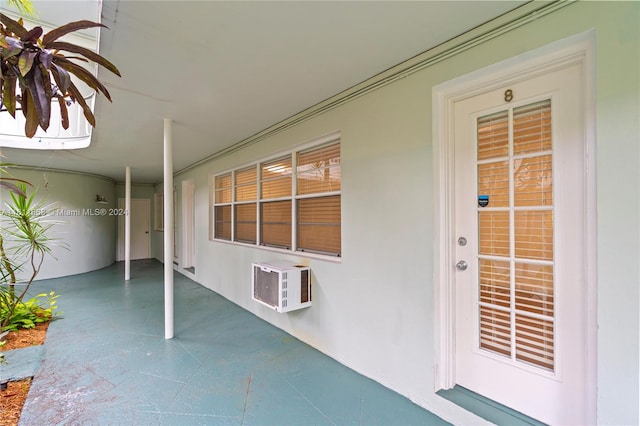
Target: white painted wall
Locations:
point(90, 238)
point(141, 191)
point(618, 168)
point(373, 311)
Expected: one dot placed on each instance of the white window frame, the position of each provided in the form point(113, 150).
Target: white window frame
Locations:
point(329, 139)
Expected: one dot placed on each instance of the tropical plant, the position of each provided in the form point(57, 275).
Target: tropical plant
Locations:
point(35, 70)
point(9, 182)
point(17, 314)
point(24, 244)
point(23, 6)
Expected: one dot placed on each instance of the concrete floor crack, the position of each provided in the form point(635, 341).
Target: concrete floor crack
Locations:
point(246, 397)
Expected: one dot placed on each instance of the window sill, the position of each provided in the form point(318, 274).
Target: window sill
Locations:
point(308, 255)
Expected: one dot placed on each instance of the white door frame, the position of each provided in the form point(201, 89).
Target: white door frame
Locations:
point(578, 49)
point(188, 222)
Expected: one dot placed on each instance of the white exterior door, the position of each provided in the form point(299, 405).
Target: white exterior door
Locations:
point(519, 228)
point(140, 227)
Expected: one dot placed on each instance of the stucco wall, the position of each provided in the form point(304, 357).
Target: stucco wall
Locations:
point(90, 238)
point(373, 311)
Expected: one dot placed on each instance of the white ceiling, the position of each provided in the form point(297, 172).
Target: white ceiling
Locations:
point(225, 70)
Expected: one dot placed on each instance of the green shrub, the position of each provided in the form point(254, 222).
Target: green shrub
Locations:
point(39, 309)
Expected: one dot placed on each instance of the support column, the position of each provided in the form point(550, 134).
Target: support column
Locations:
point(127, 224)
point(168, 230)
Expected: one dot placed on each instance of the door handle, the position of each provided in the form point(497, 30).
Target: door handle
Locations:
point(462, 266)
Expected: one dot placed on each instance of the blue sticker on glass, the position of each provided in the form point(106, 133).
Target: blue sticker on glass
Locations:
point(483, 200)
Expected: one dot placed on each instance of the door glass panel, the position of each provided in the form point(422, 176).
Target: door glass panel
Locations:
point(515, 235)
point(534, 288)
point(493, 181)
point(495, 283)
point(534, 234)
point(495, 330)
point(494, 233)
point(493, 136)
point(532, 128)
point(533, 184)
point(534, 341)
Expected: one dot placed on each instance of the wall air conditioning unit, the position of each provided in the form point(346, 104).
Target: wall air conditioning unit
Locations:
point(281, 286)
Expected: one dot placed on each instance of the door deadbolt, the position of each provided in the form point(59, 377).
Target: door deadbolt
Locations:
point(461, 266)
point(462, 241)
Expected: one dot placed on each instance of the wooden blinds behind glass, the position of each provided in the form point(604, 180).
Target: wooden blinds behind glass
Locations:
point(246, 193)
point(222, 209)
point(292, 202)
point(319, 217)
point(275, 216)
point(515, 229)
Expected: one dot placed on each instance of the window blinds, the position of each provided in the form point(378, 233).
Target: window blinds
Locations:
point(515, 231)
point(245, 192)
point(319, 224)
point(275, 223)
point(222, 210)
point(294, 196)
point(319, 216)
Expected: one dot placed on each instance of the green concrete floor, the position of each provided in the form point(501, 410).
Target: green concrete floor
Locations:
point(107, 362)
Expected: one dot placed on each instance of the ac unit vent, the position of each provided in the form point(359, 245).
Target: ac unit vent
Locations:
point(281, 286)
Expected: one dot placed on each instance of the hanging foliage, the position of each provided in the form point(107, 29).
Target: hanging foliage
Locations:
point(36, 70)
point(23, 6)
